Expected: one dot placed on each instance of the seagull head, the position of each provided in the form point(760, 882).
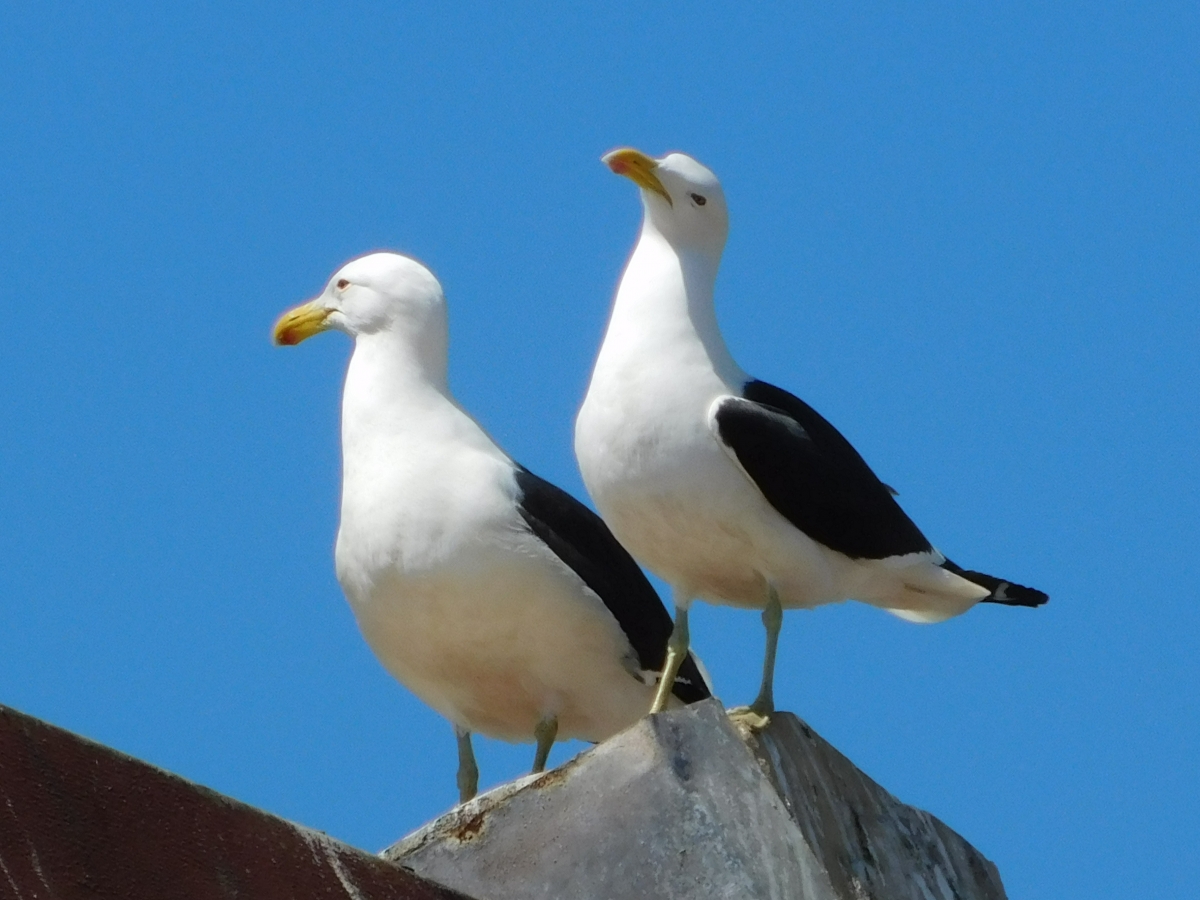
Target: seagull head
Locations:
point(682, 198)
point(380, 293)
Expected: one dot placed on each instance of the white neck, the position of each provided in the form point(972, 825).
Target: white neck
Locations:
point(393, 380)
point(666, 297)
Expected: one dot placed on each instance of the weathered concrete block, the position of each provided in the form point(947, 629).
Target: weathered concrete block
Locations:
point(683, 805)
point(870, 843)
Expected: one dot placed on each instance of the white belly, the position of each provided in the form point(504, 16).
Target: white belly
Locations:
point(501, 647)
point(723, 546)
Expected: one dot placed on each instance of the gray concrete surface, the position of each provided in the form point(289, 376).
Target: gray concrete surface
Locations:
point(687, 805)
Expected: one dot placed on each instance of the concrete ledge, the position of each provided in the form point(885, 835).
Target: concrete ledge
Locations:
point(684, 805)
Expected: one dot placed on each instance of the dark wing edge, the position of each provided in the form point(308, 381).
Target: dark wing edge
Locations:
point(1004, 592)
point(813, 476)
point(579, 537)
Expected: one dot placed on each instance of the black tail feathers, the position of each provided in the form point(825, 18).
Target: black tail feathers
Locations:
point(1005, 592)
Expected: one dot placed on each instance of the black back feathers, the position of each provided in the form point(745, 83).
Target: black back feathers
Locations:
point(813, 476)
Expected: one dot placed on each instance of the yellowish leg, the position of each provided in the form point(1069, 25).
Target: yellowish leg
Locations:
point(677, 650)
point(468, 772)
point(545, 732)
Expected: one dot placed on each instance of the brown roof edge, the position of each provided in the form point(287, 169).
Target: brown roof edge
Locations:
point(78, 819)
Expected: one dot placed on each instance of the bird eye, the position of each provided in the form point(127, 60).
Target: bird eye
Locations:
point(343, 283)
point(699, 201)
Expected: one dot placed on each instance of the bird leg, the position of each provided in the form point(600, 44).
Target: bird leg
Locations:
point(468, 772)
point(764, 703)
point(757, 715)
point(677, 650)
point(545, 731)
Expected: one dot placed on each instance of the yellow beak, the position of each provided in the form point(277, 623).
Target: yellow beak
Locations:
point(301, 322)
point(638, 168)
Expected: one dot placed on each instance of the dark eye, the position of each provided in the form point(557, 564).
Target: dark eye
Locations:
point(699, 201)
point(343, 283)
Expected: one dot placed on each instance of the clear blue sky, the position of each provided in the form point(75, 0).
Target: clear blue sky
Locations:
point(967, 233)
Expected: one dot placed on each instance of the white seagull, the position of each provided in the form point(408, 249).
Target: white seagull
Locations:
point(498, 599)
point(729, 488)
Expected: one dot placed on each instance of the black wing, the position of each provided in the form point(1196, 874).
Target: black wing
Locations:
point(813, 476)
point(580, 539)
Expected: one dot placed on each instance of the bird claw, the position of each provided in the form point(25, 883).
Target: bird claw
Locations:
point(748, 718)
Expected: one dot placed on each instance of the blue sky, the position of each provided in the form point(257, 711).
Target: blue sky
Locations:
point(967, 233)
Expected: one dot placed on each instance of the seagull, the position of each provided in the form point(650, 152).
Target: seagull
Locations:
point(731, 489)
point(498, 599)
